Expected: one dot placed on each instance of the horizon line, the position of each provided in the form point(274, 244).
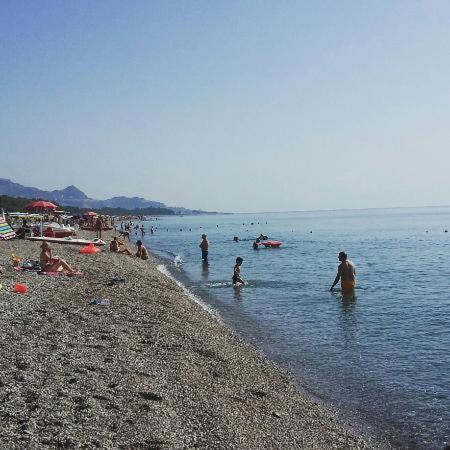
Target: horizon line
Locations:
point(338, 209)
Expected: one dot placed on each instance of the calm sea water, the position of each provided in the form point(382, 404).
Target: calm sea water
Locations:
point(382, 355)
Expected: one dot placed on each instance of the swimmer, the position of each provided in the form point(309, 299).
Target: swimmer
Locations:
point(237, 272)
point(346, 273)
point(236, 239)
point(256, 244)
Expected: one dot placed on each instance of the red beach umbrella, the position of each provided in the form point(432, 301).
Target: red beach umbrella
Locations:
point(90, 214)
point(41, 204)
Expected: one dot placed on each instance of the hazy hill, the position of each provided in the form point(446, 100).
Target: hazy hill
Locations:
point(72, 196)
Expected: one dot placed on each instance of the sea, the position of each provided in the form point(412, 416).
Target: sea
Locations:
point(380, 356)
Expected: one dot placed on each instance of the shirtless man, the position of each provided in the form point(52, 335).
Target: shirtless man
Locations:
point(346, 273)
point(204, 246)
point(142, 252)
point(237, 279)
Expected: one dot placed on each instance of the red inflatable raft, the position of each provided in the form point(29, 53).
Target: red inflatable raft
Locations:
point(271, 244)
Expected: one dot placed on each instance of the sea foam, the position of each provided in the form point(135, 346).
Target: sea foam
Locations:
point(163, 269)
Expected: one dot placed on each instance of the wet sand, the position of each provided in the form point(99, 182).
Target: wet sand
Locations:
point(150, 370)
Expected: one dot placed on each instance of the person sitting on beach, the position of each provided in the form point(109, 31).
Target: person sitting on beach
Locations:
point(21, 233)
point(204, 246)
point(237, 272)
point(346, 273)
point(50, 263)
point(142, 252)
point(118, 247)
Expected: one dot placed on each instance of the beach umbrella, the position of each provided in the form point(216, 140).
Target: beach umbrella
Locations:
point(41, 204)
point(90, 214)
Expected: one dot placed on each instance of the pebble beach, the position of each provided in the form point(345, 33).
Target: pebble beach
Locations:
point(149, 370)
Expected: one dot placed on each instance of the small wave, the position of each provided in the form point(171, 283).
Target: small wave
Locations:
point(220, 284)
point(163, 269)
point(178, 260)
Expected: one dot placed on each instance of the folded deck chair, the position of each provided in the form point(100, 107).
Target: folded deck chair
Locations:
point(6, 232)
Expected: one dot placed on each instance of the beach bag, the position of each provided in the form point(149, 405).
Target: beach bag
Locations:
point(30, 264)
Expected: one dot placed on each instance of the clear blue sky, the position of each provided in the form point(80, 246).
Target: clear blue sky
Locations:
point(229, 105)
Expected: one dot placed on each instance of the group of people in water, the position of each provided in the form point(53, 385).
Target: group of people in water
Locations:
point(346, 272)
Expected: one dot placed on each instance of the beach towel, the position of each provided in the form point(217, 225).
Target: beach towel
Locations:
point(6, 232)
point(77, 273)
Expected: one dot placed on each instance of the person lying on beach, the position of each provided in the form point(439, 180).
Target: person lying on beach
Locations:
point(237, 272)
point(204, 246)
point(346, 273)
point(141, 251)
point(118, 247)
point(50, 263)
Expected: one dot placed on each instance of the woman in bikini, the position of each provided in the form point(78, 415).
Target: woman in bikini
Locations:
point(50, 263)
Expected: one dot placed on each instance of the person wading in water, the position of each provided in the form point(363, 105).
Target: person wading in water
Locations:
point(346, 273)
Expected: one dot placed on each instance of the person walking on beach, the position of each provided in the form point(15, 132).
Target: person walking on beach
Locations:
point(99, 226)
point(237, 279)
point(346, 273)
point(204, 246)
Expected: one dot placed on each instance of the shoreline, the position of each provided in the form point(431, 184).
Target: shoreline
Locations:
point(151, 370)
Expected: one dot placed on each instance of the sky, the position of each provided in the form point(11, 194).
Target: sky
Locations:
point(236, 106)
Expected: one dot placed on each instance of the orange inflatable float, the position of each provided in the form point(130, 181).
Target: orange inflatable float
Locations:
point(90, 249)
point(272, 244)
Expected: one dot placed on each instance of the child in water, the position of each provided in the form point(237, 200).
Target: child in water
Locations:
point(237, 272)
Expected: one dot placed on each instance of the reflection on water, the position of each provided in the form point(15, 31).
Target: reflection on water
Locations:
point(348, 316)
point(205, 269)
point(237, 292)
point(348, 300)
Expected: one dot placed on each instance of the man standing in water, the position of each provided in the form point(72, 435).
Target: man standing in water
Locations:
point(204, 246)
point(346, 273)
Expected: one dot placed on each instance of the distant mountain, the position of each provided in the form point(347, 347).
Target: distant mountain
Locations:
point(72, 196)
